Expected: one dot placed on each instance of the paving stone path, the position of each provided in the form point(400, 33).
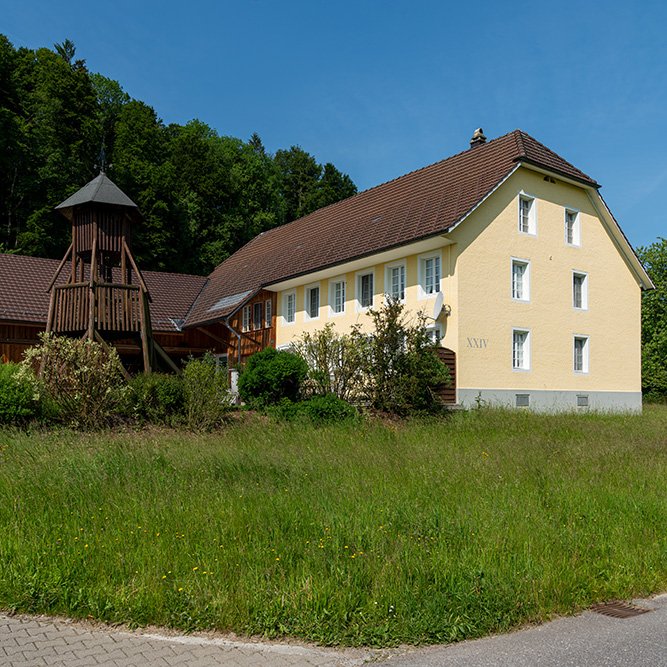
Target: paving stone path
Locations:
point(41, 641)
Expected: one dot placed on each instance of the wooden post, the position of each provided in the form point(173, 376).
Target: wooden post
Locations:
point(91, 289)
point(146, 333)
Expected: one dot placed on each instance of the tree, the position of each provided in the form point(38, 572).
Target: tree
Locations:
point(57, 127)
point(654, 321)
point(299, 175)
point(66, 50)
point(400, 368)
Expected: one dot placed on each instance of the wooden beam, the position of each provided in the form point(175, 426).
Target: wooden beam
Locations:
point(167, 358)
point(60, 268)
point(52, 305)
point(136, 270)
point(214, 337)
point(104, 345)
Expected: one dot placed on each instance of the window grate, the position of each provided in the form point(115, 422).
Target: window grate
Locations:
point(523, 400)
point(582, 401)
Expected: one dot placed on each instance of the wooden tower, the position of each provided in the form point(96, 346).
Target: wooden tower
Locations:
point(99, 300)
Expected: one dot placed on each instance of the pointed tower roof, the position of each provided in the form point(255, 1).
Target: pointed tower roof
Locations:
point(101, 190)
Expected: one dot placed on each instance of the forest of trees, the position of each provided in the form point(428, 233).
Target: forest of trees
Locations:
point(202, 195)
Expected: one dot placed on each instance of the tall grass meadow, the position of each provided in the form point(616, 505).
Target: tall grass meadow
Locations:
point(362, 533)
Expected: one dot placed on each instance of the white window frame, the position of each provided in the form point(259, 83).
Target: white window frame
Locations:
point(333, 283)
point(357, 289)
point(286, 297)
point(422, 292)
point(525, 365)
point(576, 226)
point(532, 214)
point(246, 318)
point(584, 291)
point(308, 290)
point(401, 267)
point(268, 313)
point(525, 280)
point(584, 362)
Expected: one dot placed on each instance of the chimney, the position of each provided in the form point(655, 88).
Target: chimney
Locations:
point(478, 138)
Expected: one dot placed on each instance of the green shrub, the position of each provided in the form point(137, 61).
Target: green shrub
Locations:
point(318, 410)
point(17, 398)
point(327, 409)
point(156, 398)
point(83, 381)
point(207, 397)
point(270, 376)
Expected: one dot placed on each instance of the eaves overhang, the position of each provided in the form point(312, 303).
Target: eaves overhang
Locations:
point(534, 165)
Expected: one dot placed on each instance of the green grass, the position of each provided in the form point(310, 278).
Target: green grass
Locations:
point(365, 534)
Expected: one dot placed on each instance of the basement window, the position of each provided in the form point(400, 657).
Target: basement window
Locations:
point(522, 400)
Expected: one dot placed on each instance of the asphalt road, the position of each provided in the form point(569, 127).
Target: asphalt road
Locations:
point(588, 640)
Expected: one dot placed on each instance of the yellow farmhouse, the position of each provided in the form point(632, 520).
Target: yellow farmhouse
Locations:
point(540, 288)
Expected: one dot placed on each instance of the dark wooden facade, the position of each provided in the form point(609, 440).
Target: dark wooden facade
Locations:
point(255, 337)
point(448, 357)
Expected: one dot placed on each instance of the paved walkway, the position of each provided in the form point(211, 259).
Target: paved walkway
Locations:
point(40, 641)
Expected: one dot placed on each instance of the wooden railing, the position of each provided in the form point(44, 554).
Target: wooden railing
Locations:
point(118, 308)
point(71, 307)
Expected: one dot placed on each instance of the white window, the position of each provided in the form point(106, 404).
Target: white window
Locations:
point(572, 227)
point(337, 296)
point(430, 275)
point(247, 314)
point(289, 307)
point(434, 332)
point(268, 306)
point(312, 302)
point(257, 316)
point(395, 281)
point(365, 288)
point(521, 280)
point(220, 363)
point(520, 349)
point(527, 214)
point(581, 354)
point(579, 290)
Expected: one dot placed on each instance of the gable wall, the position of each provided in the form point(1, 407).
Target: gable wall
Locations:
point(487, 241)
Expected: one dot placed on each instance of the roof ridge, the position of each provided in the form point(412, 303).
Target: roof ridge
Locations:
point(371, 189)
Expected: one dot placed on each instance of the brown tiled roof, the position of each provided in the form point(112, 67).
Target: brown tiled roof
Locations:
point(23, 296)
point(420, 204)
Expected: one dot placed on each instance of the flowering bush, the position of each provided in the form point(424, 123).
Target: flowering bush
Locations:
point(334, 363)
point(79, 377)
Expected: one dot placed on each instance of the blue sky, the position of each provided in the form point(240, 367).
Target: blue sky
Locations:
point(380, 87)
